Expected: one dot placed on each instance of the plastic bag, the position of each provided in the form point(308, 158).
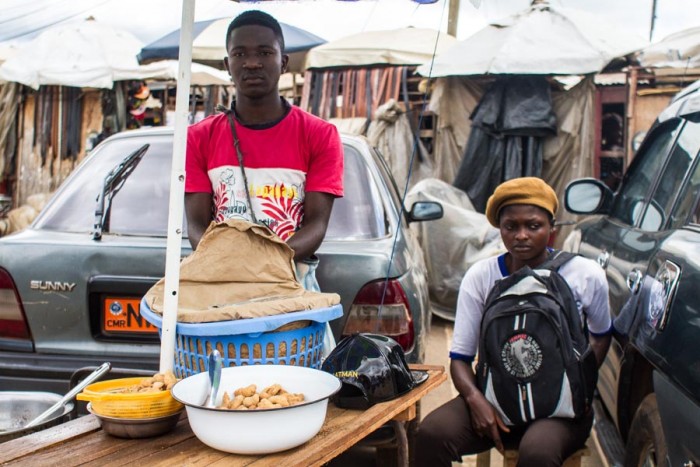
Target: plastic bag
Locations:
point(306, 274)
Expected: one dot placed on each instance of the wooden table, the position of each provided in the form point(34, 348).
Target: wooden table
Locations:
point(81, 441)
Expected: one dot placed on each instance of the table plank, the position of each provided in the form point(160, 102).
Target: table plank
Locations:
point(115, 451)
point(191, 452)
point(81, 441)
point(342, 429)
point(18, 447)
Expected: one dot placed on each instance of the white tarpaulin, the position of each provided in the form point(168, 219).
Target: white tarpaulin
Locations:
point(679, 50)
point(7, 50)
point(539, 40)
point(405, 46)
point(82, 54)
point(453, 243)
point(391, 133)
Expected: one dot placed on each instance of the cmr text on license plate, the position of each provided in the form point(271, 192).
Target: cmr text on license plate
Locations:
point(121, 315)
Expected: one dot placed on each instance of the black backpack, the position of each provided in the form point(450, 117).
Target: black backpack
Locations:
point(534, 357)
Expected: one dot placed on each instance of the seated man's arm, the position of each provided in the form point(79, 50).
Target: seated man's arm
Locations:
point(485, 419)
point(198, 209)
point(600, 346)
point(317, 212)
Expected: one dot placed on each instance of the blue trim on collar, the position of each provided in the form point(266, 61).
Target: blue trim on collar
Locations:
point(502, 262)
point(502, 265)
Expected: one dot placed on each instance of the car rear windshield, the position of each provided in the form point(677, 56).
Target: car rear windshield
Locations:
point(140, 207)
point(360, 213)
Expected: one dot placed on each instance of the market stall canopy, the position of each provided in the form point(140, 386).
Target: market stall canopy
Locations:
point(82, 54)
point(679, 50)
point(539, 40)
point(208, 45)
point(166, 70)
point(405, 46)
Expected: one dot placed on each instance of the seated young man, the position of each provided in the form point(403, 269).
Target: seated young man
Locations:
point(523, 210)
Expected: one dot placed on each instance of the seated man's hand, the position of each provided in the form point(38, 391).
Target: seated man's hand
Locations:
point(485, 419)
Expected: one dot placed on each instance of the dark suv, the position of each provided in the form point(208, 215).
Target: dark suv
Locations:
point(647, 237)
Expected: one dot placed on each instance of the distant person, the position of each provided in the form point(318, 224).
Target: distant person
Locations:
point(612, 143)
point(523, 209)
point(290, 166)
point(137, 97)
point(611, 132)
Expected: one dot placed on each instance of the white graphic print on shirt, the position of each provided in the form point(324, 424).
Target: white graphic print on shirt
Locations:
point(277, 196)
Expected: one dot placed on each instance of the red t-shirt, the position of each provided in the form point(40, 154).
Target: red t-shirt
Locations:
point(298, 154)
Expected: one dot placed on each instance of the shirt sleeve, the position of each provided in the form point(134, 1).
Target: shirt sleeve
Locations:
point(592, 292)
point(196, 174)
point(470, 308)
point(325, 173)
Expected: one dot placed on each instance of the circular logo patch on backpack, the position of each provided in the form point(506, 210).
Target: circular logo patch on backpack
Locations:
point(521, 356)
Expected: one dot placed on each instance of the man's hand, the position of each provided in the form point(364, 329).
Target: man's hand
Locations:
point(485, 420)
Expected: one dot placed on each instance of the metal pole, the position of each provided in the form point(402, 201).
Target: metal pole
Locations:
point(453, 17)
point(59, 146)
point(177, 191)
point(653, 19)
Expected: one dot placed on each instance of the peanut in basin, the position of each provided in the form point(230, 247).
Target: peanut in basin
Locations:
point(271, 397)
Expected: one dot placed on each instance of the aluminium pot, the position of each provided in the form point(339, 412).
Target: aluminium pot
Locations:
point(17, 408)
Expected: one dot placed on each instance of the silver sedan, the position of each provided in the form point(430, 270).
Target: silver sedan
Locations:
point(70, 284)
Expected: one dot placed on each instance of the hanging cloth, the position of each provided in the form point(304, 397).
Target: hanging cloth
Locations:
point(508, 128)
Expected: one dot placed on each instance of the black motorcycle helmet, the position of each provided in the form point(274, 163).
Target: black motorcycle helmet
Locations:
point(372, 368)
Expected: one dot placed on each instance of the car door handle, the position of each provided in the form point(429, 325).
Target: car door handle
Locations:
point(667, 277)
point(603, 259)
point(634, 280)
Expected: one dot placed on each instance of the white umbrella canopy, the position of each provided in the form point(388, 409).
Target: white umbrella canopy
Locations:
point(82, 54)
point(540, 40)
point(679, 50)
point(167, 70)
point(404, 46)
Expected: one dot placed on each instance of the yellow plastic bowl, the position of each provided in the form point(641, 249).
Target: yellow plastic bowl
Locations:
point(107, 400)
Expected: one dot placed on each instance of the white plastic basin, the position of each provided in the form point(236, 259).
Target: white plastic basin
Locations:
point(258, 431)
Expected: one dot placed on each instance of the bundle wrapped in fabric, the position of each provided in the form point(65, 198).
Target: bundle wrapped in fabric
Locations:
point(239, 270)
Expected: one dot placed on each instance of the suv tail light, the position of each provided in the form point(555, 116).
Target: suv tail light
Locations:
point(381, 307)
point(14, 331)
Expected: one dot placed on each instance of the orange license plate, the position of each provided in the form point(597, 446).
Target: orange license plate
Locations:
point(121, 315)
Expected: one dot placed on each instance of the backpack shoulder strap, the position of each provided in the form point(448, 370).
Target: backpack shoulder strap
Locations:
point(557, 259)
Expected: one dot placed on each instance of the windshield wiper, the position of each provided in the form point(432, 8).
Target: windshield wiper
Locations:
point(113, 183)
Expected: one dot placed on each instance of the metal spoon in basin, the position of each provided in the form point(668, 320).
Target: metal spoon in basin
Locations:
point(214, 377)
point(104, 368)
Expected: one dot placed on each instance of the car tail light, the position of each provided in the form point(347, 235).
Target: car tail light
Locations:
point(381, 307)
point(13, 324)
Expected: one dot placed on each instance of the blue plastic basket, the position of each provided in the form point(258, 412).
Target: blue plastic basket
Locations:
point(286, 339)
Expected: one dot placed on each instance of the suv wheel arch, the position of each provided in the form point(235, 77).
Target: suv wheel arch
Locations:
point(636, 382)
point(646, 444)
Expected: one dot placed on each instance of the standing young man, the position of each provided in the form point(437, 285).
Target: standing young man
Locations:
point(292, 161)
